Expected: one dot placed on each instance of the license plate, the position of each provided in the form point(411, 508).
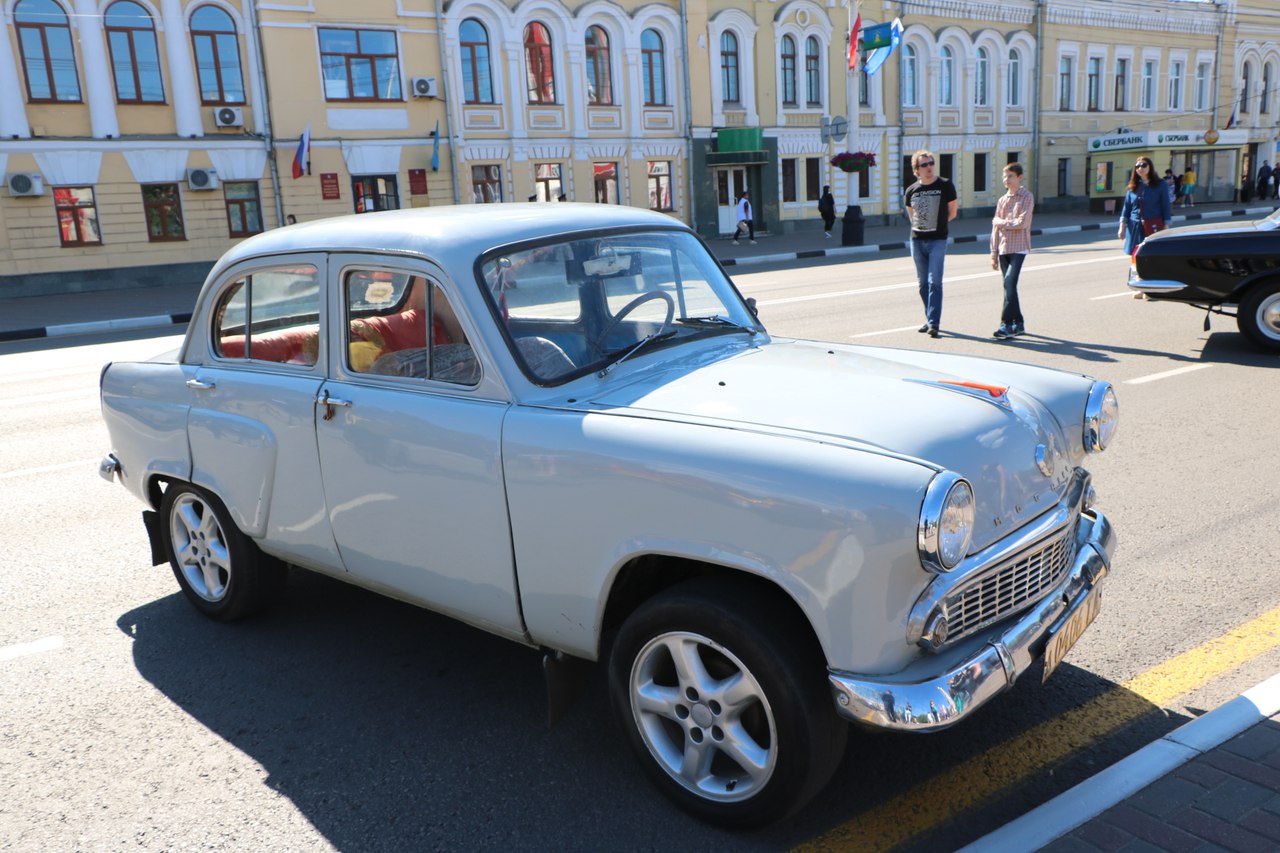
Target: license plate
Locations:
point(1065, 637)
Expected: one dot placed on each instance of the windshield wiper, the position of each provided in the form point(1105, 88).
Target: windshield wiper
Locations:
point(716, 320)
point(625, 353)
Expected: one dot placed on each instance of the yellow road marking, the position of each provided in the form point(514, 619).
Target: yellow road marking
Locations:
point(964, 786)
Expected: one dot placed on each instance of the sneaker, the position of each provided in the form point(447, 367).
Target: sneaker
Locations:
point(933, 331)
point(753, 242)
point(923, 328)
point(826, 234)
point(1002, 333)
point(1016, 330)
point(736, 243)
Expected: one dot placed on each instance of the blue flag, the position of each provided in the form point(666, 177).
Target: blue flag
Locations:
point(877, 57)
point(435, 149)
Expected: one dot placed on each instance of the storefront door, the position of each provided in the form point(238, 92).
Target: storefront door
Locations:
point(730, 182)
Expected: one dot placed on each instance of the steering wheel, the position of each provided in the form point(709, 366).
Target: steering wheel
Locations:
point(631, 306)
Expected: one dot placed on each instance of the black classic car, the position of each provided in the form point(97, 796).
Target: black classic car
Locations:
point(1230, 268)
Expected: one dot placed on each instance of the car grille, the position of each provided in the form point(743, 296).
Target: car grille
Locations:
point(1008, 589)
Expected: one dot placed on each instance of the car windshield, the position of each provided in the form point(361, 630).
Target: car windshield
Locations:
point(583, 304)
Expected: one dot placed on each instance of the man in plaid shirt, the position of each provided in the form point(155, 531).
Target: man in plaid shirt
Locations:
point(1010, 245)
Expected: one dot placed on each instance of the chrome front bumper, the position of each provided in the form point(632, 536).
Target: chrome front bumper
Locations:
point(1154, 285)
point(942, 700)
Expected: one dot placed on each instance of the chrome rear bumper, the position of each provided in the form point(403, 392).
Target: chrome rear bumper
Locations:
point(109, 467)
point(941, 700)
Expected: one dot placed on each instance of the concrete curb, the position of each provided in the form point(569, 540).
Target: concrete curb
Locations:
point(96, 327)
point(973, 238)
point(1130, 775)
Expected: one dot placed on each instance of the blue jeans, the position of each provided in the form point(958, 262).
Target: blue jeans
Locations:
point(929, 256)
point(1010, 267)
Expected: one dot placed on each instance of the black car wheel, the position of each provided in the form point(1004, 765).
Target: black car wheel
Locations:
point(221, 571)
point(725, 700)
point(1259, 315)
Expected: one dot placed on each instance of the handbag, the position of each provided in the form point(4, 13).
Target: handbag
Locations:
point(1149, 226)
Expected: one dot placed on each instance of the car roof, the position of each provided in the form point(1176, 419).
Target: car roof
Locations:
point(445, 230)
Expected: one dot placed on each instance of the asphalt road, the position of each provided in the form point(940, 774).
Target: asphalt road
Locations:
point(346, 721)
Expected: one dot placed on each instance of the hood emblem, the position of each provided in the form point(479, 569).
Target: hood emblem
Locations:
point(1044, 460)
point(997, 395)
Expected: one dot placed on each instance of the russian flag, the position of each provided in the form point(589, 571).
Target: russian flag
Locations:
point(302, 157)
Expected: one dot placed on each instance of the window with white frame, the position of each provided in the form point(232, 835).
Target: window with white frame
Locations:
point(1202, 86)
point(910, 79)
point(788, 59)
point(981, 79)
point(1149, 84)
point(653, 69)
point(1093, 85)
point(812, 72)
point(1013, 96)
point(729, 69)
point(946, 78)
point(1244, 90)
point(1121, 98)
point(1175, 84)
point(1264, 99)
point(1066, 83)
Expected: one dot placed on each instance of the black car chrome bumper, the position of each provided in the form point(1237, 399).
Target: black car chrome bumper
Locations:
point(945, 698)
point(1155, 285)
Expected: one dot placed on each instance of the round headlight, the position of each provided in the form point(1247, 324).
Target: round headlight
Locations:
point(1101, 417)
point(946, 522)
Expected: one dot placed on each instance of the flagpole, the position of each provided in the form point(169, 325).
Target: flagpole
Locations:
point(852, 211)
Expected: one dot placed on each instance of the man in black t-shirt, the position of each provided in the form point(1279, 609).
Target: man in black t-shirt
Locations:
point(931, 203)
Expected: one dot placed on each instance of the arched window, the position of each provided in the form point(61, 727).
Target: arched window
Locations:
point(540, 76)
point(1013, 96)
point(1244, 92)
point(599, 75)
point(788, 71)
point(981, 78)
point(812, 72)
point(653, 62)
point(1264, 99)
point(477, 82)
point(135, 62)
point(213, 36)
point(910, 77)
point(947, 79)
point(729, 68)
point(44, 37)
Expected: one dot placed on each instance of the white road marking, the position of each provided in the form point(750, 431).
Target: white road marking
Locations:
point(45, 644)
point(885, 332)
point(1128, 293)
point(1166, 374)
point(785, 300)
point(88, 464)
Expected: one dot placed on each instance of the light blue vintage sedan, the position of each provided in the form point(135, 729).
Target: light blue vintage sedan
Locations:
point(563, 424)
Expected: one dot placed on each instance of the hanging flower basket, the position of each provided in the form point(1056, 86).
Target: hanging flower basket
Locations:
point(854, 161)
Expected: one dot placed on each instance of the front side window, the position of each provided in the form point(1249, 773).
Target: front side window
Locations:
point(48, 58)
point(360, 65)
point(910, 80)
point(244, 208)
point(1245, 82)
point(660, 185)
point(1202, 86)
point(486, 184)
point(606, 183)
point(77, 216)
point(217, 54)
point(135, 62)
point(788, 71)
point(400, 324)
point(981, 84)
point(477, 82)
point(579, 305)
point(162, 208)
point(540, 73)
point(599, 75)
point(271, 316)
point(789, 179)
point(729, 68)
point(546, 182)
point(375, 192)
point(812, 178)
point(812, 72)
point(653, 60)
point(1265, 97)
point(947, 78)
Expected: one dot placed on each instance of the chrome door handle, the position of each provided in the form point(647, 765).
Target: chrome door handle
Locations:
point(329, 402)
point(200, 385)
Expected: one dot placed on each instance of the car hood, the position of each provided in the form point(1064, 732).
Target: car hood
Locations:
point(1204, 229)
point(866, 397)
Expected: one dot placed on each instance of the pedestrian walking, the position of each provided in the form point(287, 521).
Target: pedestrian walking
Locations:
point(827, 209)
point(1275, 181)
point(745, 222)
point(1189, 187)
point(1172, 181)
point(1146, 207)
point(1010, 245)
point(1264, 180)
point(931, 203)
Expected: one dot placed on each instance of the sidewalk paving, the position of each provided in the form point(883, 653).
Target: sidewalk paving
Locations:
point(1212, 784)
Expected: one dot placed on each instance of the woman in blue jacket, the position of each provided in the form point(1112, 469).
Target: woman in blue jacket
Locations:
point(1147, 199)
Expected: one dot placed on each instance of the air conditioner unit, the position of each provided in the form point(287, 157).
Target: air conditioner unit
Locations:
point(228, 116)
point(202, 179)
point(24, 184)
point(423, 87)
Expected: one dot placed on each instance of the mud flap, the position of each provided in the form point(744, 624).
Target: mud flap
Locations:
point(566, 678)
point(151, 521)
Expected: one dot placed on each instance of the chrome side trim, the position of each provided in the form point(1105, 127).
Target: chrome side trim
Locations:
point(919, 700)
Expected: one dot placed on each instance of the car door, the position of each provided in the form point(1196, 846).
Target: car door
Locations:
point(251, 425)
point(410, 446)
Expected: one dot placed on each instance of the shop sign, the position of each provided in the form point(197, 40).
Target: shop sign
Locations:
point(329, 185)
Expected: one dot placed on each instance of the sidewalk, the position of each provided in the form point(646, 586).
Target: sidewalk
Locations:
point(102, 311)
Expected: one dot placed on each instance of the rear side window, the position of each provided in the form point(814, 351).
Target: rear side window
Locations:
point(271, 315)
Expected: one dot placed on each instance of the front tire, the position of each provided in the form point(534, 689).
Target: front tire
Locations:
point(723, 696)
point(220, 570)
point(1259, 315)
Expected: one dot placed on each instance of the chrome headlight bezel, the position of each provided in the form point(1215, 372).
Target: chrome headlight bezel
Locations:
point(1101, 418)
point(943, 542)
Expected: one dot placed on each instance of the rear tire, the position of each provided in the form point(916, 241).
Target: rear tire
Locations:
point(221, 571)
point(1259, 316)
point(724, 698)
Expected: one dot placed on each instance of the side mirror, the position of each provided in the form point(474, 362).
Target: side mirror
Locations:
point(751, 306)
